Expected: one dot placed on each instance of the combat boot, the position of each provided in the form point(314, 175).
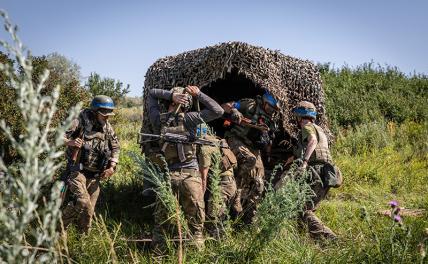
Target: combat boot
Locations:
point(198, 241)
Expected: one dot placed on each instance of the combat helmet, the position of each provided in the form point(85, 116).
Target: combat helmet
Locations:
point(305, 109)
point(269, 99)
point(103, 104)
point(189, 104)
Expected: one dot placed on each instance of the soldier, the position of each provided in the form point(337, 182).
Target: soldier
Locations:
point(181, 159)
point(92, 155)
point(246, 140)
point(313, 150)
point(207, 157)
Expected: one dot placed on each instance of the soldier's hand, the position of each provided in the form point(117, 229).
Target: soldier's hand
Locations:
point(78, 142)
point(107, 173)
point(236, 116)
point(193, 90)
point(179, 98)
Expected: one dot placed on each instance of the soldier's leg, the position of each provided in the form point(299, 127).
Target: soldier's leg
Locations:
point(192, 201)
point(93, 188)
point(253, 190)
point(316, 227)
point(246, 172)
point(228, 194)
point(81, 204)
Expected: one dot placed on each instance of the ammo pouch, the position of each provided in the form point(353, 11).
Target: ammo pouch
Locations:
point(331, 175)
point(228, 159)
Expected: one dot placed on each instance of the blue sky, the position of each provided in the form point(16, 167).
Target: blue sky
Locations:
point(121, 39)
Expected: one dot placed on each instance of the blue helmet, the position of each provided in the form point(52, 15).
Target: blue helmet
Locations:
point(268, 98)
point(103, 104)
point(305, 109)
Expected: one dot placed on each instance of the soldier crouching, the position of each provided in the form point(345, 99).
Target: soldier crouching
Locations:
point(184, 173)
point(313, 150)
point(92, 155)
point(254, 120)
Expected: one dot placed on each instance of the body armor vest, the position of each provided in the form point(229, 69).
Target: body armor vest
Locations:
point(177, 152)
point(96, 149)
point(321, 153)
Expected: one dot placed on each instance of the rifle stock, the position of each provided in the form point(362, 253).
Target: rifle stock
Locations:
point(176, 138)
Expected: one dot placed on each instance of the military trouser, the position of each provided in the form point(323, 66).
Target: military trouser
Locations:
point(315, 226)
point(186, 185)
point(249, 176)
point(85, 192)
point(308, 218)
point(216, 216)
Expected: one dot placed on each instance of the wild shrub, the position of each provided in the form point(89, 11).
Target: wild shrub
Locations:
point(371, 93)
point(28, 229)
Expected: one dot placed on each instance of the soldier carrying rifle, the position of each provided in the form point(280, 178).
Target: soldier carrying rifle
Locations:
point(252, 131)
point(92, 155)
point(180, 156)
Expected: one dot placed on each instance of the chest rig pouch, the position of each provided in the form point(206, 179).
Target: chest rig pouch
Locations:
point(228, 159)
point(177, 152)
point(95, 150)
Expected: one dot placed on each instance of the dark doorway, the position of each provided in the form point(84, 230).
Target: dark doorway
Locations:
point(232, 87)
point(235, 86)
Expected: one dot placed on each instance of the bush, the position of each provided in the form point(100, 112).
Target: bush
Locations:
point(368, 93)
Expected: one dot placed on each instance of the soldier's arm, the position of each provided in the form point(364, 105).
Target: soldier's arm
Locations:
point(228, 107)
point(153, 104)
point(309, 135)
point(70, 137)
point(115, 150)
point(212, 111)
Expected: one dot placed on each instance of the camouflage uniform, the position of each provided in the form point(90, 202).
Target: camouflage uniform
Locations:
point(101, 146)
point(181, 159)
point(316, 163)
point(207, 157)
point(243, 142)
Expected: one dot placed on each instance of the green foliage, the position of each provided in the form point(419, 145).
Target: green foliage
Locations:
point(106, 86)
point(70, 93)
point(28, 231)
point(368, 93)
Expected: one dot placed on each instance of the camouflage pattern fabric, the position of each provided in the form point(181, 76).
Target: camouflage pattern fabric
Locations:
point(187, 187)
point(308, 218)
point(80, 211)
point(100, 147)
point(249, 177)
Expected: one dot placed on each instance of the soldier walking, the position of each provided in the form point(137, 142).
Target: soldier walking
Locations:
point(181, 159)
point(92, 155)
point(246, 142)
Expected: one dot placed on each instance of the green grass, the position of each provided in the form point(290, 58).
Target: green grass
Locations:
point(381, 146)
point(378, 169)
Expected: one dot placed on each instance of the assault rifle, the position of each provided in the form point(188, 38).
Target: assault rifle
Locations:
point(248, 123)
point(175, 138)
point(73, 164)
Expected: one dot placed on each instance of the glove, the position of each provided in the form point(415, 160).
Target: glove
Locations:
point(107, 173)
point(236, 116)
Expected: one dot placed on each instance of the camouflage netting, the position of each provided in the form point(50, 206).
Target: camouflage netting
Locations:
point(288, 79)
